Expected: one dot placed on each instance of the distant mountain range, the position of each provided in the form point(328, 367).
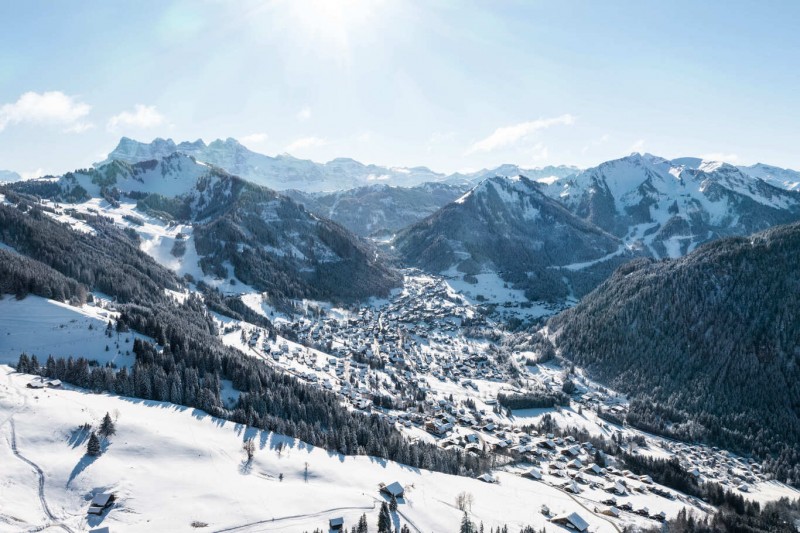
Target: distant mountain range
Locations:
point(562, 236)
point(671, 206)
point(554, 232)
point(509, 226)
point(379, 210)
point(235, 229)
point(9, 176)
point(284, 172)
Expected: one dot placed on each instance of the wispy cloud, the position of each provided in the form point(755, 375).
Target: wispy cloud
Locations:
point(306, 142)
point(637, 146)
point(254, 138)
point(142, 117)
point(508, 135)
point(304, 114)
point(52, 107)
point(719, 156)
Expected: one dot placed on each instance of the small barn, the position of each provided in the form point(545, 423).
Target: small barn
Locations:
point(533, 473)
point(393, 489)
point(100, 503)
point(487, 478)
point(571, 521)
point(336, 524)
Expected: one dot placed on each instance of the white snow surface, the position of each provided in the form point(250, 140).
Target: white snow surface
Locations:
point(169, 466)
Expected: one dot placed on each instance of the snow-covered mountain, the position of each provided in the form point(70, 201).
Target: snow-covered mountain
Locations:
point(379, 209)
point(7, 176)
point(509, 227)
point(284, 172)
point(779, 177)
point(673, 205)
point(544, 174)
point(280, 172)
point(226, 228)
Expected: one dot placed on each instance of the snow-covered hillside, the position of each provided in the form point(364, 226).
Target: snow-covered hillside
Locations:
point(45, 327)
point(671, 206)
point(170, 466)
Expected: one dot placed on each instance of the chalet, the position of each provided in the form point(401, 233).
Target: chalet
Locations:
point(571, 521)
point(393, 489)
point(593, 469)
point(100, 503)
point(336, 524)
point(533, 473)
point(608, 511)
point(575, 464)
point(487, 478)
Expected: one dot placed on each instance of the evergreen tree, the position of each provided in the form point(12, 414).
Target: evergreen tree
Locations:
point(466, 525)
point(93, 447)
point(107, 427)
point(384, 519)
point(363, 527)
point(393, 503)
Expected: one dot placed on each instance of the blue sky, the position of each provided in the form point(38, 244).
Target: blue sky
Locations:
point(451, 85)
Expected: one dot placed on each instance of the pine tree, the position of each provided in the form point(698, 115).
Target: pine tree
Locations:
point(393, 503)
point(107, 427)
point(466, 525)
point(363, 527)
point(384, 519)
point(24, 363)
point(93, 447)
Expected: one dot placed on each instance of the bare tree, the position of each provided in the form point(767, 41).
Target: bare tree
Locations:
point(249, 448)
point(464, 501)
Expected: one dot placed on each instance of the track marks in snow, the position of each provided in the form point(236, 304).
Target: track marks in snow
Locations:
point(43, 500)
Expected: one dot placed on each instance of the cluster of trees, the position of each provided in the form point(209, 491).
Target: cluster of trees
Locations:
point(775, 517)
point(21, 276)
point(107, 261)
point(532, 399)
point(706, 345)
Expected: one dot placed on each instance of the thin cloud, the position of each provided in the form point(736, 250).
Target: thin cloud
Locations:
point(254, 138)
point(52, 107)
point(306, 142)
point(509, 135)
point(637, 146)
point(142, 116)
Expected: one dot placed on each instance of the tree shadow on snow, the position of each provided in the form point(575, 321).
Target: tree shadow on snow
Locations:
point(79, 436)
point(82, 465)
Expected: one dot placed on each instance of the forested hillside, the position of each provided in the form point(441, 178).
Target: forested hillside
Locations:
point(708, 345)
point(191, 361)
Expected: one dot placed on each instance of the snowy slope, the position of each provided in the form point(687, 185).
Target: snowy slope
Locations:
point(169, 466)
point(44, 327)
point(671, 206)
point(776, 176)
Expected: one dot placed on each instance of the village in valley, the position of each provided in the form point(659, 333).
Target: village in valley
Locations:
point(441, 364)
point(436, 365)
